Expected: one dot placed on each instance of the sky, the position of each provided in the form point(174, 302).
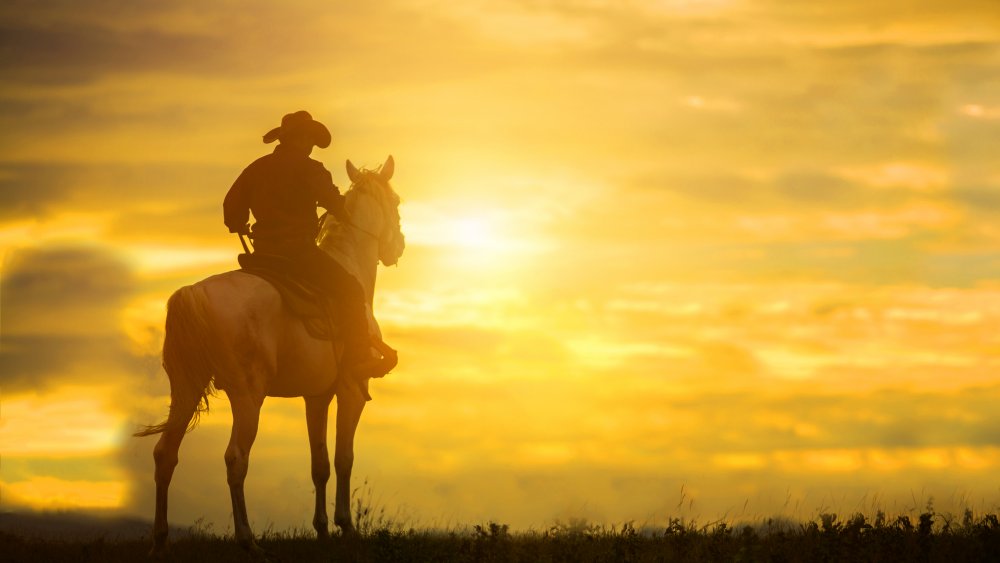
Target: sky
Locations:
point(677, 258)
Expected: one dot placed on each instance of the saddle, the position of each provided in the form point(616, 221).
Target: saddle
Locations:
point(304, 300)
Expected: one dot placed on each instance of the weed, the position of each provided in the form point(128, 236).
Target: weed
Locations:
point(829, 537)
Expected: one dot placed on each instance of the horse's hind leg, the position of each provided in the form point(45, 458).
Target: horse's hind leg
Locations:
point(350, 403)
point(317, 411)
point(165, 457)
point(246, 415)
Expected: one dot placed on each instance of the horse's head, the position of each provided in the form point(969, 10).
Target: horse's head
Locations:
point(375, 206)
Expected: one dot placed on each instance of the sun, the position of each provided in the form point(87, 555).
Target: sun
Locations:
point(449, 226)
point(474, 232)
point(475, 239)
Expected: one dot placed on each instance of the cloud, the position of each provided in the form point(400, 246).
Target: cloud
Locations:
point(61, 45)
point(163, 203)
point(790, 188)
point(75, 54)
point(895, 11)
point(179, 224)
point(58, 284)
point(37, 187)
point(34, 362)
point(802, 418)
point(983, 199)
point(30, 189)
point(60, 317)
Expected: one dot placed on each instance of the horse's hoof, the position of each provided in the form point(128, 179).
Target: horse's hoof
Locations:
point(322, 528)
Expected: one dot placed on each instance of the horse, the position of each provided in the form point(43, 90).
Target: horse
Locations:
point(231, 332)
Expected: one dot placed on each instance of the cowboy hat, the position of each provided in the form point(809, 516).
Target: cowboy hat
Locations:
point(300, 122)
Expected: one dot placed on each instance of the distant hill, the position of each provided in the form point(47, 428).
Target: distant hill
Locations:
point(76, 526)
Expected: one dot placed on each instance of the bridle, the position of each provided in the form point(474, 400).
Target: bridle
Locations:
point(363, 230)
point(376, 236)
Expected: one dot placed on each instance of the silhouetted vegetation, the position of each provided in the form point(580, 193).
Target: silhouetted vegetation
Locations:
point(932, 537)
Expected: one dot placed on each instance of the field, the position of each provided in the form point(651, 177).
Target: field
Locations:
point(930, 537)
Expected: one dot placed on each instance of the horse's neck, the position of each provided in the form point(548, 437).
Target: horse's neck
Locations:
point(354, 250)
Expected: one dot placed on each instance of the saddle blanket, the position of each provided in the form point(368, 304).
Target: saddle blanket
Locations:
point(301, 298)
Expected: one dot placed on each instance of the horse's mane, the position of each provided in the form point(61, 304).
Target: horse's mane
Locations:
point(371, 181)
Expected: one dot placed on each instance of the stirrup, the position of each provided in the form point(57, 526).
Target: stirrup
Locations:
point(376, 367)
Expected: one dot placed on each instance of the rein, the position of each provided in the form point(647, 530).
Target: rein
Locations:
point(376, 236)
point(244, 243)
point(351, 224)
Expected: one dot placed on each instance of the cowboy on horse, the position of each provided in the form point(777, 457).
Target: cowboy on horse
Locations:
point(283, 190)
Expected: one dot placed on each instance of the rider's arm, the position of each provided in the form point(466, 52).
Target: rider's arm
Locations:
point(236, 206)
point(328, 195)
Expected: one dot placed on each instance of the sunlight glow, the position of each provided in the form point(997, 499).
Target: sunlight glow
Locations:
point(70, 227)
point(69, 421)
point(978, 111)
point(154, 260)
point(142, 323)
point(910, 175)
point(47, 493)
point(601, 352)
point(474, 232)
point(477, 230)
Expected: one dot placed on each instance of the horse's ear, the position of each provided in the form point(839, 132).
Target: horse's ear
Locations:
point(352, 172)
point(388, 168)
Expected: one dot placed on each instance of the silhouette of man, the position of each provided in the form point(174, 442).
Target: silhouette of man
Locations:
point(283, 189)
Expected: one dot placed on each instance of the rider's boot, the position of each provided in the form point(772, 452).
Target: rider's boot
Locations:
point(359, 361)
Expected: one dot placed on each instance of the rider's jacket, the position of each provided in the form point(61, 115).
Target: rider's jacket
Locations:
point(282, 189)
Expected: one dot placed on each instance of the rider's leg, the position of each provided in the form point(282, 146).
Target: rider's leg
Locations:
point(349, 303)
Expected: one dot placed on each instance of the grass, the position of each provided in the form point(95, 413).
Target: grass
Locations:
point(932, 537)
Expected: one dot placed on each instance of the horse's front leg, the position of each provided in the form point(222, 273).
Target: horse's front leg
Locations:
point(317, 410)
point(246, 415)
point(350, 403)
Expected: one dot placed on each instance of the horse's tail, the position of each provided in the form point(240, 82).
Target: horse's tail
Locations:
point(188, 359)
